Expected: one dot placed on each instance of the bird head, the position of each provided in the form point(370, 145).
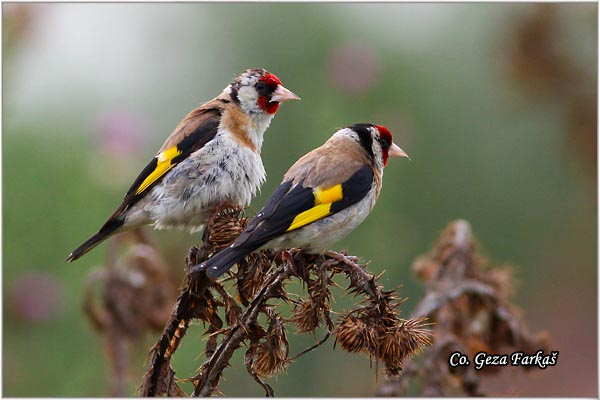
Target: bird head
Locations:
point(388, 148)
point(258, 91)
point(376, 140)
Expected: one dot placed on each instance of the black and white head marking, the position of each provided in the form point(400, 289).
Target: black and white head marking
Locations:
point(368, 136)
point(247, 88)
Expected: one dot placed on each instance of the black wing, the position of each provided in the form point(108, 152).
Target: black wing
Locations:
point(204, 133)
point(281, 214)
point(157, 168)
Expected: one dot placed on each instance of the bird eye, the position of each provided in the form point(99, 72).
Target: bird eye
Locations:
point(385, 143)
point(260, 86)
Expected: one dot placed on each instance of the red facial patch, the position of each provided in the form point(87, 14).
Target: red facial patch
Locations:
point(271, 80)
point(386, 135)
point(270, 107)
point(385, 154)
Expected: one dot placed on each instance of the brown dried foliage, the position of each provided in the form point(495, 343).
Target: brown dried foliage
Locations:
point(468, 304)
point(129, 297)
point(376, 329)
point(259, 280)
point(471, 311)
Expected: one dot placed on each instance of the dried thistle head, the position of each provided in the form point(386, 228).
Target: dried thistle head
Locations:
point(502, 279)
point(402, 340)
point(355, 334)
point(227, 224)
point(251, 274)
point(268, 360)
point(133, 291)
point(456, 251)
point(378, 331)
point(469, 303)
point(307, 316)
point(425, 268)
point(148, 261)
point(271, 354)
point(154, 294)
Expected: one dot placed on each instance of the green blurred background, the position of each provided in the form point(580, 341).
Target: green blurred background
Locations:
point(495, 103)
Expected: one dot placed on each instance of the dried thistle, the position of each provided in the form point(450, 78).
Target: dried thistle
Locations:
point(272, 351)
point(307, 315)
point(401, 340)
point(251, 272)
point(355, 335)
point(226, 225)
point(260, 279)
point(469, 306)
point(311, 313)
point(379, 332)
point(128, 298)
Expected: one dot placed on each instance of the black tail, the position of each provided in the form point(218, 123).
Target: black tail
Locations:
point(222, 261)
point(108, 229)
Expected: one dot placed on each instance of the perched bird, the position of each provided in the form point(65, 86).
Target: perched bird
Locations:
point(211, 158)
point(323, 197)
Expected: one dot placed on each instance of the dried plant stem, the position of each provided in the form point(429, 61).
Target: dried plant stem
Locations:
point(118, 353)
point(433, 301)
point(358, 275)
point(471, 311)
point(175, 328)
point(212, 369)
point(261, 277)
point(126, 298)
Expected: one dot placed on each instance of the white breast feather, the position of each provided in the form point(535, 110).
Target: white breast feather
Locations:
point(222, 170)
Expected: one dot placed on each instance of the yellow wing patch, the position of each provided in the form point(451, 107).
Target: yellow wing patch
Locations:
point(163, 165)
point(323, 200)
point(328, 196)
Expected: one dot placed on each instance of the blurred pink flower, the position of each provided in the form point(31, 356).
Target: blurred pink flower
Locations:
point(119, 137)
point(354, 68)
point(36, 297)
point(119, 133)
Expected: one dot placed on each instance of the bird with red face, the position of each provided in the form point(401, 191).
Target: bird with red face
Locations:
point(211, 158)
point(323, 197)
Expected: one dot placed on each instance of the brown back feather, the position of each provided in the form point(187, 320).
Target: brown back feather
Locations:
point(195, 118)
point(332, 163)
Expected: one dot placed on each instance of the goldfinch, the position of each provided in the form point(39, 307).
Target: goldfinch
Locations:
point(323, 197)
point(212, 157)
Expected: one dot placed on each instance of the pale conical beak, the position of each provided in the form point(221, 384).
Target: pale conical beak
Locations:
point(396, 151)
point(282, 94)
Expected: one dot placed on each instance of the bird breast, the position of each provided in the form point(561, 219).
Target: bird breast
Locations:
point(221, 171)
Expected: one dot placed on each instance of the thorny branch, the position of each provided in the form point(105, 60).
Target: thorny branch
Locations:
point(208, 378)
point(373, 327)
point(467, 304)
point(470, 308)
